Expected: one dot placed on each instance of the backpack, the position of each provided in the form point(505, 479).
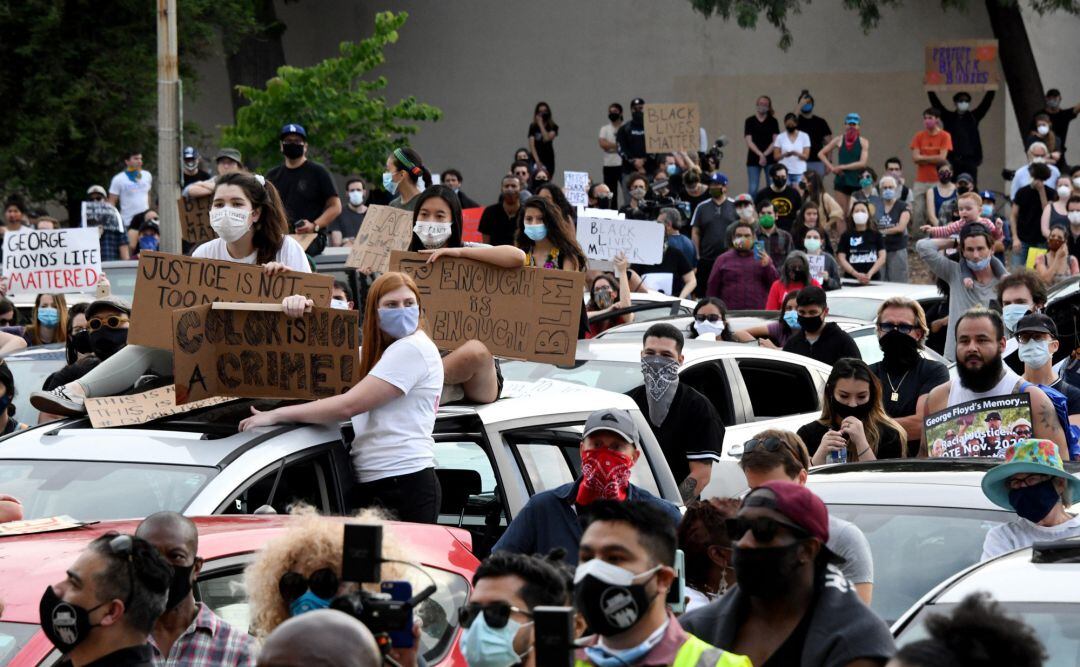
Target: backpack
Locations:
point(1061, 405)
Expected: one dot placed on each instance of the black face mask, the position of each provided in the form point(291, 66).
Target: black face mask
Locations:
point(65, 624)
point(611, 609)
point(614, 117)
point(638, 116)
point(798, 274)
point(982, 379)
point(901, 350)
point(843, 411)
point(180, 586)
point(811, 324)
point(779, 181)
point(767, 572)
point(106, 342)
point(292, 151)
point(80, 342)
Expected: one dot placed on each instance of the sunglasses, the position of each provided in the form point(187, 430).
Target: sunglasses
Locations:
point(712, 318)
point(770, 444)
point(763, 528)
point(886, 327)
point(323, 583)
point(113, 322)
point(496, 614)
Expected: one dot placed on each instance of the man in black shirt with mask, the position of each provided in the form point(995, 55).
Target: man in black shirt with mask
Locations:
point(631, 141)
point(906, 377)
point(963, 126)
point(306, 188)
point(816, 338)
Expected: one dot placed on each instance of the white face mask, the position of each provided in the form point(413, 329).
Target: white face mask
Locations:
point(746, 212)
point(339, 304)
point(963, 106)
point(432, 234)
point(230, 224)
point(1038, 159)
point(1043, 130)
point(1064, 191)
point(860, 218)
point(1074, 217)
point(356, 197)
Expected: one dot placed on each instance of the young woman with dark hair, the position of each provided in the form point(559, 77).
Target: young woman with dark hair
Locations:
point(556, 195)
point(405, 177)
point(542, 133)
point(547, 238)
point(710, 319)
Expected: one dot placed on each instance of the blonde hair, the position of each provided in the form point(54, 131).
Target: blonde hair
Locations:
point(914, 306)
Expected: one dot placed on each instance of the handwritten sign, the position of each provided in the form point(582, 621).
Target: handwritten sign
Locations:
point(641, 240)
point(470, 218)
point(525, 313)
point(983, 427)
point(46, 525)
point(263, 354)
point(576, 187)
point(101, 214)
point(969, 65)
point(133, 409)
point(672, 127)
point(384, 229)
point(166, 282)
point(52, 261)
point(195, 219)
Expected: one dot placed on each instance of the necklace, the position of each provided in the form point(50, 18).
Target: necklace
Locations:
point(552, 261)
point(895, 396)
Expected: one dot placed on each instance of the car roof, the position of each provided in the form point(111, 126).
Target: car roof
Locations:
point(1014, 578)
point(737, 322)
point(884, 290)
point(32, 562)
point(629, 351)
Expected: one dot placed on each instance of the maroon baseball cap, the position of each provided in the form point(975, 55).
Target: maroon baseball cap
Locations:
point(796, 502)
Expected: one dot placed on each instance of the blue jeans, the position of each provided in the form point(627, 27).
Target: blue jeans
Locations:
point(753, 178)
point(816, 165)
point(793, 179)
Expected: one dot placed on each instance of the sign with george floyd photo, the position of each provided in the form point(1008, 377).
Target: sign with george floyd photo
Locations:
point(984, 427)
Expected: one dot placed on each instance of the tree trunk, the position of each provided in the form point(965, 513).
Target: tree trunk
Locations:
point(258, 56)
point(1017, 61)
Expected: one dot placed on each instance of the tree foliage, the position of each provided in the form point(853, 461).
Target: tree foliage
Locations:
point(350, 126)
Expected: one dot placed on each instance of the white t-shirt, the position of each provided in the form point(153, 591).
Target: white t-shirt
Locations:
point(290, 254)
point(395, 439)
point(794, 165)
point(133, 196)
point(611, 158)
point(1021, 533)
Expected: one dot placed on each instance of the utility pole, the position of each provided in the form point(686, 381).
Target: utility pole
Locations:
point(168, 182)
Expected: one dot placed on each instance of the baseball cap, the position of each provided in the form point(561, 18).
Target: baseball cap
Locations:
point(797, 503)
point(230, 153)
point(190, 153)
point(717, 178)
point(852, 118)
point(636, 101)
point(1036, 323)
point(150, 224)
point(96, 189)
point(744, 199)
point(992, 416)
point(110, 301)
point(615, 420)
point(988, 195)
point(293, 128)
point(965, 177)
point(1026, 456)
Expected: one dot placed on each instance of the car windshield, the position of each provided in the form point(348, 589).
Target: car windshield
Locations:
point(867, 342)
point(122, 281)
point(99, 490)
point(13, 636)
point(1057, 624)
point(855, 307)
point(916, 548)
point(617, 376)
point(29, 371)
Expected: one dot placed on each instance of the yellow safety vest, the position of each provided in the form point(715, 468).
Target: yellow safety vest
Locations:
point(697, 653)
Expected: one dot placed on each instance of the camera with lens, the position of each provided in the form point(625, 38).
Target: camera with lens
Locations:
point(377, 611)
point(717, 149)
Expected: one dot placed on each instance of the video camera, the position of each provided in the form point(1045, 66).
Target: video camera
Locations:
point(651, 207)
point(717, 149)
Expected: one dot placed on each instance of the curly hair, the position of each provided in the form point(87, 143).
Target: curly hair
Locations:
point(311, 543)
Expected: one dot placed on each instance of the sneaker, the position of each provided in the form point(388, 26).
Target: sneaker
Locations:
point(58, 402)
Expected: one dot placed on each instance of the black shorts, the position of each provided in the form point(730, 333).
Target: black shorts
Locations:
point(847, 189)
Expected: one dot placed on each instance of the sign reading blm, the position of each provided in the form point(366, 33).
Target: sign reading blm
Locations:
point(672, 127)
point(195, 219)
point(524, 313)
point(55, 261)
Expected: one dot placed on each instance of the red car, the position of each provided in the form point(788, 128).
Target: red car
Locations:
point(29, 563)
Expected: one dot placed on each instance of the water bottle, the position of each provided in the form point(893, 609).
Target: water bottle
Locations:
point(837, 456)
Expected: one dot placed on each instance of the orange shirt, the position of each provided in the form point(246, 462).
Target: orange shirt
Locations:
point(931, 144)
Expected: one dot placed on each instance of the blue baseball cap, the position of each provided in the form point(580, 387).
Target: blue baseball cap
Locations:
point(853, 118)
point(717, 178)
point(293, 128)
point(988, 194)
point(190, 153)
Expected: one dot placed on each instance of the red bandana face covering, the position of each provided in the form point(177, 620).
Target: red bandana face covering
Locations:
point(605, 475)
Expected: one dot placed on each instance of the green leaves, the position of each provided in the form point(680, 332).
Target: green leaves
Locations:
point(350, 125)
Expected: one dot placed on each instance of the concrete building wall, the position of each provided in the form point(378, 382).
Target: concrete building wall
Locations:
point(486, 63)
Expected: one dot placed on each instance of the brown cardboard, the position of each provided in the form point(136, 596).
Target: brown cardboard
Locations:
point(969, 65)
point(132, 409)
point(195, 219)
point(304, 240)
point(47, 525)
point(263, 354)
point(166, 282)
point(384, 229)
point(672, 127)
point(525, 313)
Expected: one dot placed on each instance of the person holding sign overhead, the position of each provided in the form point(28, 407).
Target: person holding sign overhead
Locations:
point(249, 219)
point(393, 406)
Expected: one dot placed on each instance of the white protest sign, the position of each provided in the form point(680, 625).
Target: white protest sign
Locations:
point(101, 214)
point(641, 240)
point(52, 261)
point(576, 187)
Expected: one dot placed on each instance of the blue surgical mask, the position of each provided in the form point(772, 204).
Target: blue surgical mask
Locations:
point(399, 322)
point(888, 194)
point(536, 232)
point(1012, 313)
point(791, 317)
point(987, 210)
point(388, 183)
point(307, 602)
point(484, 646)
point(1035, 353)
point(672, 170)
point(807, 108)
point(978, 265)
point(48, 316)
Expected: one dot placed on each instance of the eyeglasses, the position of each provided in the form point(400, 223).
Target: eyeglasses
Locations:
point(1017, 482)
point(113, 322)
point(886, 327)
point(764, 528)
point(1027, 337)
point(496, 614)
point(323, 583)
point(714, 318)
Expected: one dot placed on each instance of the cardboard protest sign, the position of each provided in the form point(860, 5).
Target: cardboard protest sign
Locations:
point(56, 261)
point(219, 351)
point(641, 240)
point(983, 427)
point(384, 229)
point(132, 409)
point(195, 219)
point(46, 525)
point(166, 282)
point(101, 214)
point(672, 127)
point(304, 240)
point(818, 271)
point(525, 313)
point(969, 65)
point(576, 187)
point(470, 227)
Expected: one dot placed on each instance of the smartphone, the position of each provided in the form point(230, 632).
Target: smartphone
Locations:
point(676, 598)
point(759, 249)
point(401, 591)
point(362, 558)
point(554, 632)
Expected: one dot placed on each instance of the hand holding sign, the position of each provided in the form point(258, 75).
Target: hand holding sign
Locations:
point(384, 229)
point(642, 241)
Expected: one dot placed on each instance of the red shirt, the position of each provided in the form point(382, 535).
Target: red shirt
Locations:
point(779, 289)
point(939, 143)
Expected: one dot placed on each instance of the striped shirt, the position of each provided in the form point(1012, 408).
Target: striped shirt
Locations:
point(207, 642)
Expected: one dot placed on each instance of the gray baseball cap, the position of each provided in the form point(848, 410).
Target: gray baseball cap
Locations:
point(230, 153)
point(113, 302)
point(615, 420)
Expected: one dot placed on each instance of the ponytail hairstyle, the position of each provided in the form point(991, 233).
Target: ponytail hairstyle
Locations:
point(409, 161)
point(272, 224)
point(559, 232)
point(450, 197)
point(374, 340)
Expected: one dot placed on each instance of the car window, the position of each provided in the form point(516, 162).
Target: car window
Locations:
point(617, 376)
point(709, 379)
point(30, 370)
point(867, 342)
point(301, 480)
point(916, 548)
point(13, 636)
point(97, 490)
point(858, 308)
point(122, 281)
point(763, 378)
point(471, 497)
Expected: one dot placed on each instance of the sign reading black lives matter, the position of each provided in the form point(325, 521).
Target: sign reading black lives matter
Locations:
point(983, 427)
point(523, 313)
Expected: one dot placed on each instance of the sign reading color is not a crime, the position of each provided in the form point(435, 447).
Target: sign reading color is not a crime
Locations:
point(55, 261)
point(167, 282)
point(218, 351)
point(525, 313)
point(672, 127)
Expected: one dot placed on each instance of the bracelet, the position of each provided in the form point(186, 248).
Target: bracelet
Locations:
point(860, 454)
